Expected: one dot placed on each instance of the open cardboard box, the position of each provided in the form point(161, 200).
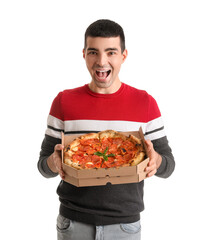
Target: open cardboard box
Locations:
point(102, 176)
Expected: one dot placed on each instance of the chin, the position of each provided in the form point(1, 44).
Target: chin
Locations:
point(103, 84)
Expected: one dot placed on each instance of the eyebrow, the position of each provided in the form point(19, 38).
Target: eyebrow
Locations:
point(111, 49)
point(106, 50)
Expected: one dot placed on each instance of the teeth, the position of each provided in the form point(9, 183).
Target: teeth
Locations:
point(101, 71)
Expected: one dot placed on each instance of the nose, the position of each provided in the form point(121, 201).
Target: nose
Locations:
point(102, 60)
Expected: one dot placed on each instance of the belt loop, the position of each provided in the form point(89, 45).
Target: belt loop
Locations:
point(99, 233)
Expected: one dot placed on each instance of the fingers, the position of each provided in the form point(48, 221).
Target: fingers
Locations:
point(152, 173)
point(151, 168)
point(149, 146)
point(58, 147)
point(57, 159)
point(58, 166)
point(62, 174)
point(148, 142)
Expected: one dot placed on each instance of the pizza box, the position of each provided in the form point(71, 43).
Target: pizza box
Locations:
point(102, 176)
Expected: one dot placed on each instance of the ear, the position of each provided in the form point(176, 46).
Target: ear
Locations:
point(83, 53)
point(124, 55)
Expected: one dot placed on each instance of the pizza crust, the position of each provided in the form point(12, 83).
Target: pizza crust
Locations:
point(138, 158)
point(90, 136)
point(73, 145)
point(107, 134)
point(135, 139)
point(72, 164)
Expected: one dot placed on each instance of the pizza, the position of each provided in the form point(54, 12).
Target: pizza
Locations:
point(106, 149)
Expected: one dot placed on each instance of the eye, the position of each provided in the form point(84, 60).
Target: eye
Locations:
point(111, 53)
point(92, 53)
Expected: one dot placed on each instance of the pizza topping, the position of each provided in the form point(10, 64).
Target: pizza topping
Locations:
point(105, 157)
point(103, 150)
point(123, 151)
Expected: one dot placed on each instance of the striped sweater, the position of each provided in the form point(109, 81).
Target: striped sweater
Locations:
point(80, 110)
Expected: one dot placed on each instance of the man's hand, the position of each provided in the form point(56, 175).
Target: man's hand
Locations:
point(155, 159)
point(54, 161)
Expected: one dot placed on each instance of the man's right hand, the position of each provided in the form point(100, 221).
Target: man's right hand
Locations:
point(54, 161)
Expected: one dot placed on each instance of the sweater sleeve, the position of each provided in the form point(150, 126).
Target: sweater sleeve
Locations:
point(156, 133)
point(55, 126)
point(168, 164)
point(47, 148)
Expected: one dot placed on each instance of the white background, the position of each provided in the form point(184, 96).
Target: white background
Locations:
point(170, 56)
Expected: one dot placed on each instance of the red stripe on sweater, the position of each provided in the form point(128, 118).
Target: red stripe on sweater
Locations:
point(127, 104)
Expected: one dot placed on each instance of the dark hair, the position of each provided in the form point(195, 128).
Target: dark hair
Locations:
point(105, 28)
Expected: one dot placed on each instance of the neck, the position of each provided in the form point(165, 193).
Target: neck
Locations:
point(105, 90)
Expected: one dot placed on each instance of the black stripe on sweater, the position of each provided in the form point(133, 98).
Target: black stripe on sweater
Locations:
point(55, 129)
point(80, 132)
point(156, 130)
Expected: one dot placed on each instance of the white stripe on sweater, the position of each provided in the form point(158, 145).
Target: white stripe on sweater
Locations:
point(153, 129)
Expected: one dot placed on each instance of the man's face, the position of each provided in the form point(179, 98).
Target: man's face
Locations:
point(103, 59)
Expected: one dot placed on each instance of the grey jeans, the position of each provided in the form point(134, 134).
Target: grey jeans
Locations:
point(72, 230)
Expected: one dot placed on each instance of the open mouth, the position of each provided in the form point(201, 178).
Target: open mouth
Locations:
point(103, 74)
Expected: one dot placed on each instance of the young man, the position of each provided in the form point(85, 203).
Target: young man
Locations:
point(111, 211)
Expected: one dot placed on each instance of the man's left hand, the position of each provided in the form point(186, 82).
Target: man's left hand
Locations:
point(155, 159)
